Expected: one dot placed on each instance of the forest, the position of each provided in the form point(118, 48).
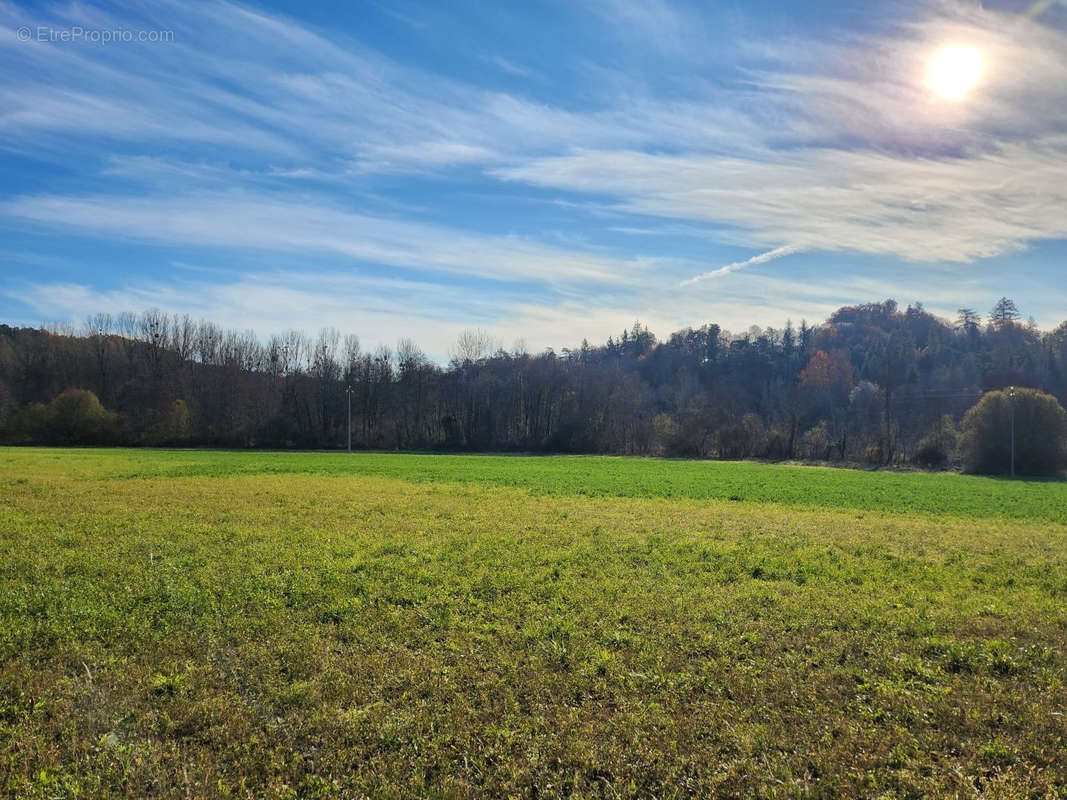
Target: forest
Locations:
point(874, 384)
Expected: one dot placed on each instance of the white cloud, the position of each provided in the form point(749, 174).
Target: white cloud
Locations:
point(921, 209)
point(509, 66)
point(665, 27)
point(263, 222)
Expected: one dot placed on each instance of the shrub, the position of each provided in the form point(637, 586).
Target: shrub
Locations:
point(938, 447)
point(72, 417)
point(176, 426)
point(1040, 434)
point(778, 445)
point(745, 438)
point(664, 434)
point(7, 404)
point(815, 444)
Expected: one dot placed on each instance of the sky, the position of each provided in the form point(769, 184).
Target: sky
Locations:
point(543, 171)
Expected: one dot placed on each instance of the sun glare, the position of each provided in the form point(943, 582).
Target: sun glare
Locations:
point(953, 71)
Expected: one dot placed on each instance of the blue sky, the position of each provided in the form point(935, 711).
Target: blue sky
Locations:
point(545, 171)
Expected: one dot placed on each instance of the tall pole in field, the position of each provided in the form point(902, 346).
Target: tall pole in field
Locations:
point(348, 392)
point(1011, 395)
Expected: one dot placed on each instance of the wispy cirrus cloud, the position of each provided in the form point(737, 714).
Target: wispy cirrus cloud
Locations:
point(298, 95)
point(265, 222)
point(947, 209)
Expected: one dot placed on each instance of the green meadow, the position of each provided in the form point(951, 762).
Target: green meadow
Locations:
point(811, 487)
point(197, 624)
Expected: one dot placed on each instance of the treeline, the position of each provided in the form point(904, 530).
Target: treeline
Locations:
point(874, 384)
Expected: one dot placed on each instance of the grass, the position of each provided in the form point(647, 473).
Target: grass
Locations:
point(807, 487)
point(196, 624)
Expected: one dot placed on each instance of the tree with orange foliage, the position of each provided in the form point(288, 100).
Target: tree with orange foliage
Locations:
point(824, 386)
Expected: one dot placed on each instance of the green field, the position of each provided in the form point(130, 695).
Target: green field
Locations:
point(810, 487)
point(238, 624)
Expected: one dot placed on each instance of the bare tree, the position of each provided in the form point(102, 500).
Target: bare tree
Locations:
point(473, 344)
point(208, 343)
point(351, 356)
point(98, 329)
point(153, 330)
point(183, 336)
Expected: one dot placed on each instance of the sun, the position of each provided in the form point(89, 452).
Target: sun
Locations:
point(953, 71)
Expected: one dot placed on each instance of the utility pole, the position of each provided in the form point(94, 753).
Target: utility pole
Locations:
point(1011, 395)
point(348, 391)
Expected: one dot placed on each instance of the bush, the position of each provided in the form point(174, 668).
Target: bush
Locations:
point(938, 447)
point(7, 404)
point(777, 444)
point(1040, 434)
point(745, 438)
point(176, 426)
point(815, 444)
point(72, 417)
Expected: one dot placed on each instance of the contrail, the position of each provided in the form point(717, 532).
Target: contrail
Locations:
point(762, 258)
